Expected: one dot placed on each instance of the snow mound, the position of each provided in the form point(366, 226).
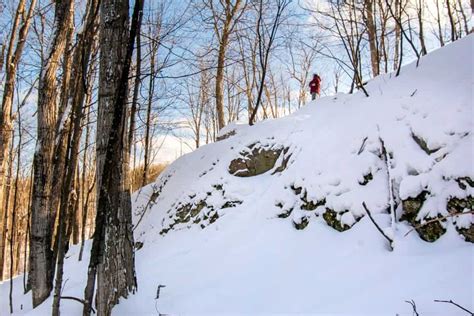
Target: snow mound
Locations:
point(412, 136)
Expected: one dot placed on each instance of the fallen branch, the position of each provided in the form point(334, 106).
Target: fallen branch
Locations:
point(455, 304)
point(438, 219)
point(413, 305)
point(377, 226)
point(77, 300)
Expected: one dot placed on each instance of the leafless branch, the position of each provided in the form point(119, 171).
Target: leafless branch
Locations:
point(377, 226)
point(455, 304)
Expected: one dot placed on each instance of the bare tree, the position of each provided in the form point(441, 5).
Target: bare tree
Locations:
point(302, 57)
point(112, 255)
point(42, 218)
point(266, 34)
point(224, 17)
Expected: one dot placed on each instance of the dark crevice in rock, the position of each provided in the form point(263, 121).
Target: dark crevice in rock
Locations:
point(423, 145)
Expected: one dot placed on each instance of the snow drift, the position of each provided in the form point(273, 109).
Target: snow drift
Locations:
point(270, 219)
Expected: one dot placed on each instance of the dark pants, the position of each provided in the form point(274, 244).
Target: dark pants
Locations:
point(313, 96)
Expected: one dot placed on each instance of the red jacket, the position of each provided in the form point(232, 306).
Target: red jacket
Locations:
point(315, 84)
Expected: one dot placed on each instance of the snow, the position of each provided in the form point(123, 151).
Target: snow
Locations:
point(250, 261)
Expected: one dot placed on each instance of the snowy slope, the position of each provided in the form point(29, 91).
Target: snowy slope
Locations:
point(269, 243)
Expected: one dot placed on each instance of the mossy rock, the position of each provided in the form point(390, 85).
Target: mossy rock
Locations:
point(197, 208)
point(296, 190)
point(258, 161)
point(310, 205)
point(464, 182)
point(218, 187)
point(183, 213)
point(423, 145)
point(367, 178)
point(430, 232)
point(468, 233)
point(285, 214)
point(411, 207)
point(213, 217)
point(330, 217)
point(284, 163)
point(459, 205)
point(302, 224)
point(229, 204)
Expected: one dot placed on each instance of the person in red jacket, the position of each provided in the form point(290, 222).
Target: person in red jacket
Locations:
point(315, 86)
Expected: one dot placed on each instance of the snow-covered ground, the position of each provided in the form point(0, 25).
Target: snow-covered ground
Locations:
point(224, 244)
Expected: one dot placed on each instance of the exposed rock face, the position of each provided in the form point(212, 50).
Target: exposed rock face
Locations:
point(460, 205)
point(331, 219)
point(428, 232)
point(307, 205)
point(301, 224)
point(258, 160)
point(198, 211)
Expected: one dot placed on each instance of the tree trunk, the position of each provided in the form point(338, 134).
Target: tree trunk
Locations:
point(41, 255)
point(451, 21)
point(421, 34)
point(438, 20)
point(220, 79)
point(112, 254)
point(372, 33)
point(151, 88)
point(398, 34)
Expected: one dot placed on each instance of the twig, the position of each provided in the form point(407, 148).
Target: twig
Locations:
point(77, 300)
point(158, 291)
point(413, 305)
point(439, 219)
point(377, 226)
point(455, 304)
point(361, 149)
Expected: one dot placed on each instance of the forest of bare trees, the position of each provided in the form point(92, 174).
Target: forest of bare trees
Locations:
point(90, 88)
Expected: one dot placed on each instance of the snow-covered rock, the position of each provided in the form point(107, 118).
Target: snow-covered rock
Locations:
point(412, 136)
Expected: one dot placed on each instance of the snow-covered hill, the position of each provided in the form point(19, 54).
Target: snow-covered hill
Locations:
point(271, 218)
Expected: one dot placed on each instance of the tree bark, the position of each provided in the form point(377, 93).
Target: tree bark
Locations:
point(421, 34)
point(41, 254)
point(112, 254)
point(452, 22)
point(372, 34)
